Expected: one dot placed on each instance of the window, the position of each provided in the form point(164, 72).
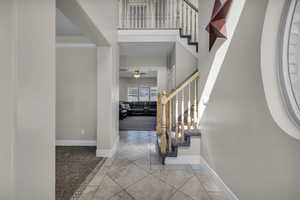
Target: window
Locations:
point(133, 94)
point(142, 94)
point(153, 94)
point(290, 70)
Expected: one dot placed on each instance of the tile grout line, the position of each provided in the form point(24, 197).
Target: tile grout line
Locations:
point(182, 187)
point(202, 185)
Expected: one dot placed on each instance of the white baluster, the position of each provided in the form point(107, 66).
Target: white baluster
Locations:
point(176, 118)
point(195, 105)
point(144, 16)
point(152, 13)
point(160, 14)
point(167, 13)
point(140, 16)
point(186, 20)
point(191, 24)
point(182, 16)
point(135, 17)
point(172, 13)
point(125, 14)
point(170, 126)
point(131, 16)
point(189, 107)
point(196, 26)
point(182, 114)
point(120, 2)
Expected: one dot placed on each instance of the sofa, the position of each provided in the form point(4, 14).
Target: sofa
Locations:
point(123, 112)
point(139, 108)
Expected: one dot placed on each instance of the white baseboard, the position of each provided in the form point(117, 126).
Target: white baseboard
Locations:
point(108, 153)
point(76, 143)
point(180, 160)
point(227, 190)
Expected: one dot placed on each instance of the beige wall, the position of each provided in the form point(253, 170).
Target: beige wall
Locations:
point(240, 139)
point(126, 82)
point(76, 93)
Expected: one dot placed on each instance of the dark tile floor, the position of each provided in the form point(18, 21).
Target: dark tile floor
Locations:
point(73, 165)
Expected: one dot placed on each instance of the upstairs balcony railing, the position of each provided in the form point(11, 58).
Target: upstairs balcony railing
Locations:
point(159, 14)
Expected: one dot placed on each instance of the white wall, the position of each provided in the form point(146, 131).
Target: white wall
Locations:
point(270, 66)
point(7, 106)
point(27, 76)
point(35, 118)
point(76, 93)
point(186, 63)
point(127, 82)
point(240, 139)
point(194, 2)
point(103, 15)
point(148, 63)
point(108, 101)
point(171, 69)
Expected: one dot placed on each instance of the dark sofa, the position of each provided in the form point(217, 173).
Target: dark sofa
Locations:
point(123, 112)
point(139, 108)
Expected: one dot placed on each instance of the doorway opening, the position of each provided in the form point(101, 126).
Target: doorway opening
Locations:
point(138, 96)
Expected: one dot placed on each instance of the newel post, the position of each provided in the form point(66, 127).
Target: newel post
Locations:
point(161, 126)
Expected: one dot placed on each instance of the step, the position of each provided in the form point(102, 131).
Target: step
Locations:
point(189, 38)
point(184, 144)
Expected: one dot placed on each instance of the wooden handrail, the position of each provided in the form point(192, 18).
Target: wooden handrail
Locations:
point(191, 5)
point(175, 99)
point(182, 85)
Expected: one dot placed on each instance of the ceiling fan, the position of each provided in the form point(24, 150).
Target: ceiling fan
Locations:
point(138, 74)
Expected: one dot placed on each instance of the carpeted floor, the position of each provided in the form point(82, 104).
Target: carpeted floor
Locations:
point(138, 123)
point(73, 166)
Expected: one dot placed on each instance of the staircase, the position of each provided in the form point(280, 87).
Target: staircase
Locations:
point(181, 15)
point(177, 117)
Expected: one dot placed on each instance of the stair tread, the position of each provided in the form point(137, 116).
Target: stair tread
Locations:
point(193, 132)
point(185, 143)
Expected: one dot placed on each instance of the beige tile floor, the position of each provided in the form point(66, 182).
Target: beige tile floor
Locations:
point(135, 173)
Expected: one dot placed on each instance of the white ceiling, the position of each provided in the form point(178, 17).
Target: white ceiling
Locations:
point(146, 48)
point(64, 27)
point(145, 74)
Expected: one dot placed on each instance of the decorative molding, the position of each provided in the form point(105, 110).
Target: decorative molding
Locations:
point(180, 160)
point(76, 143)
point(217, 25)
point(108, 153)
